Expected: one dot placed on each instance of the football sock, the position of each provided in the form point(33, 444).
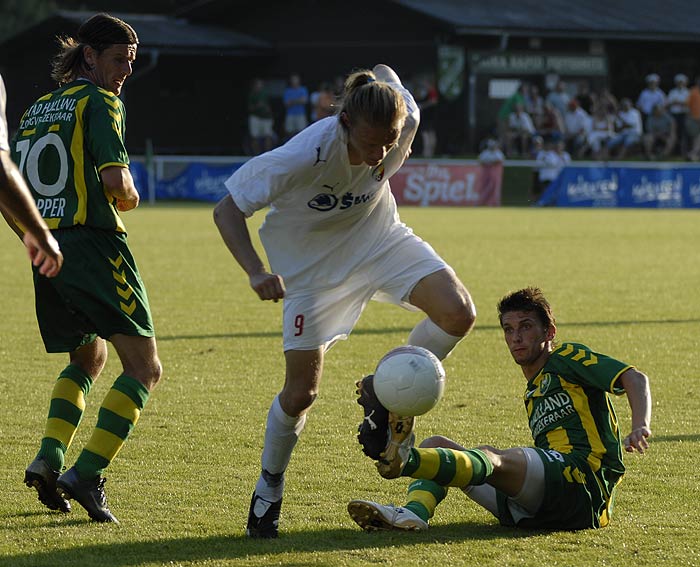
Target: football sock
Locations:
point(423, 497)
point(118, 414)
point(428, 335)
point(448, 467)
point(65, 412)
point(281, 435)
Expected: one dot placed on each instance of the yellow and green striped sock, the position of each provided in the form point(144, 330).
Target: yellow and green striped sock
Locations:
point(65, 412)
point(118, 414)
point(449, 467)
point(423, 497)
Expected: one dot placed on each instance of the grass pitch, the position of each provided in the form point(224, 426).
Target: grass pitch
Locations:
point(624, 282)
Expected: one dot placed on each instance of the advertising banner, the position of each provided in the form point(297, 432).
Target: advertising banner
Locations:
point(634, 187)
point(447, 185)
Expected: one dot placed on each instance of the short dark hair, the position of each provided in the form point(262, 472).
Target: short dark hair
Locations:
point(529, 299)
point(99, 32)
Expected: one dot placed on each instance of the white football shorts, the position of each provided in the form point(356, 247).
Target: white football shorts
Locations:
point(314, 318)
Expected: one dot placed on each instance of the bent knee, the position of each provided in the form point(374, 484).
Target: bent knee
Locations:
point(459, 319)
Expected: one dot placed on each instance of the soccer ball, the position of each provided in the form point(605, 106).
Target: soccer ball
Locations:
point(409, 380)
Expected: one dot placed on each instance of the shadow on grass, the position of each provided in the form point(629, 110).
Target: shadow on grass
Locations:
point(406, 330)
point(671, 438)
point(222, 548)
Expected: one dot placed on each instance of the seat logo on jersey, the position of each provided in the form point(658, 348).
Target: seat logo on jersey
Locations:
point(323, 202)
point(378, 173)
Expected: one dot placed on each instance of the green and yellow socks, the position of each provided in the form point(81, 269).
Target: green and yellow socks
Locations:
point(437, 469)
point(65, 412)
point(118, 414)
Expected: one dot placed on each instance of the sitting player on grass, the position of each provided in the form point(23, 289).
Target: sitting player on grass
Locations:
point(567, 481)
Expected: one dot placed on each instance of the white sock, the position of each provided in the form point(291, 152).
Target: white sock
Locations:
point(428, 335)
point(281, 434)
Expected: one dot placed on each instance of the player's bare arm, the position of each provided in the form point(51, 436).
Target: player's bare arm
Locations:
point(118, 182)
point(232, 226)
point(636, 385)
point(17, 206)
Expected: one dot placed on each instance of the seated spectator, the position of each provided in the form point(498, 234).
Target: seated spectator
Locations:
point(602, 130)
point(660, 134)
point(577, 125)
point(650, 96)
point(677, 104)
point(520, 130)
point(628, 128)
point(550, 162)
point(692, 121)
point(492, 153)
point(551, 123)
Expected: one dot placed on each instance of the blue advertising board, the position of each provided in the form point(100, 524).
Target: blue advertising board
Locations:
point(636, 187)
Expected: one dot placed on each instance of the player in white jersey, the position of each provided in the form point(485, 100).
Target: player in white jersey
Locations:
point(334, 241)
point(17, 205)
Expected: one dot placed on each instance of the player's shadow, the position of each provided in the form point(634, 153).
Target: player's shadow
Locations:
point(405, 330)
point(222, 547)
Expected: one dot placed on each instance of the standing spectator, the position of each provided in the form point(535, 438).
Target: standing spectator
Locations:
point(577, 125)
point(505, 111)
point(559, 98)
point(260, 121)
point(322, 102)
point(19, 208)
point(585, 98)
point(660, 133)
point(677, 104)
point(550, 162)
point(520, 130)
point(650, 96)
point(628, 125)
point(692, 121)
point(427, 99)
point(98, 296)
point(331, 252)
point(602, 130)
point(295, 98)
point(534, 103)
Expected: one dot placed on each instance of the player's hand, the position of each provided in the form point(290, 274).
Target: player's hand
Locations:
point(268, 286)
point(127, 204)
point(44, 253)
point(637, 440)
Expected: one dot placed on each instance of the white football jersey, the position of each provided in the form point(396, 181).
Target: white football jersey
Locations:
point(4, 144)
point(326, 216)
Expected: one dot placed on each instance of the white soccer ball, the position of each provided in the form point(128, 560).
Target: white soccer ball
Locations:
point(409, 380)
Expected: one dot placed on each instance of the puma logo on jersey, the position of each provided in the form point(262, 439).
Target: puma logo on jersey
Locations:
point(318, 157)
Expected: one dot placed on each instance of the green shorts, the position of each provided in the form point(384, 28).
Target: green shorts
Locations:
point(570, 503)
point(98, 292)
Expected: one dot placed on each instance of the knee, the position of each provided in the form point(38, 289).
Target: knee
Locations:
point(150, 373)
point(297, 402)
point(434, 442)
point(459, 319)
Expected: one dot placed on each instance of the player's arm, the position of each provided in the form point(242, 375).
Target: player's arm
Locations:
point(636, 385)
point(17, 206)
point(119, 183)
point(231, 223)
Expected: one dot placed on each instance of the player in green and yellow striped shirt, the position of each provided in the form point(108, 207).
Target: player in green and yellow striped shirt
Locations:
point(567, 480)
point(70, 149)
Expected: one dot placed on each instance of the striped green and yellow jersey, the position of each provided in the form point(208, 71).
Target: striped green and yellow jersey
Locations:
point(63, 142)
point(569, 410)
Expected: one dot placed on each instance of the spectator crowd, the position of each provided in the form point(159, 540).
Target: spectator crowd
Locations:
point(595, 125)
